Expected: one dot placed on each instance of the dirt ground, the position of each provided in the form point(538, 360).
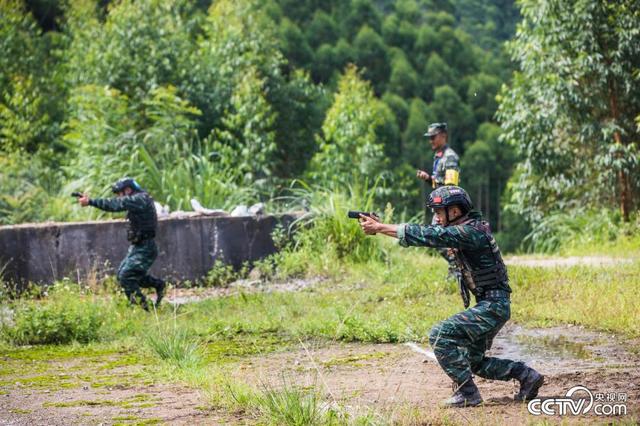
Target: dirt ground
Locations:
point(392, 381)
point(94, 390)
point(394, 378)
point(385, 381)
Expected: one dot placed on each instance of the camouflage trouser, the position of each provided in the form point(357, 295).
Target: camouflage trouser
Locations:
point(460, 342)
point(132, 273)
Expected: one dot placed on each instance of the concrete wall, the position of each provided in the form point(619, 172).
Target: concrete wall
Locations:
point(187, 247)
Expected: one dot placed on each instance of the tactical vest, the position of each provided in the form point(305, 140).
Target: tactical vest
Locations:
point(482, 281)
point(440, 173)
point(142, 222)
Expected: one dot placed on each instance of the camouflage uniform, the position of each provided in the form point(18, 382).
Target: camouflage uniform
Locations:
point(446, 171)
point(446, 168)
point(141, 213)
point(460, 342)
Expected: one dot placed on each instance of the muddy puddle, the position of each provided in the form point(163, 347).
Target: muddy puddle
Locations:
point(562, 349)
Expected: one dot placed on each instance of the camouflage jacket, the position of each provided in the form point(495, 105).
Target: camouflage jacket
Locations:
point(141, 213)
point(446, 168)
point(473, 243)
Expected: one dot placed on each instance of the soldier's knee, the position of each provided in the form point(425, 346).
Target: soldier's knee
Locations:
point(128, 277)
point(475, 362)
point(434, 335)
point(123, 275)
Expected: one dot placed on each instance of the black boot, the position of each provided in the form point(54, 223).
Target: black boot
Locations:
point(144, 304)
point(466, 395)
point(530, 381)
point(160, 286)
point(138, 298)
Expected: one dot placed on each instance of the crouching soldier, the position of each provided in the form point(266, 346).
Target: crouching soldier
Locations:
point(460, 342)
point(143, 221)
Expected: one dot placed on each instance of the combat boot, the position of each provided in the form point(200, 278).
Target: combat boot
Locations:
point(530, 381)
point(160, 286)
point(138, 299)
point(144, 304)
point(466, 395)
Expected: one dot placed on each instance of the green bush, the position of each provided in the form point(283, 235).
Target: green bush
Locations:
point(65, 316)
point(590, 231)
point(220, 275)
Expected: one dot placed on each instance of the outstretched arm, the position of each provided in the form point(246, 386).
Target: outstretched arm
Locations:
point(118, 204)
point(419, 235)
point(371, 226)
point(109, 204)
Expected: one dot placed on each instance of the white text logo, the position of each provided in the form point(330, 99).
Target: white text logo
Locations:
point(610, 404)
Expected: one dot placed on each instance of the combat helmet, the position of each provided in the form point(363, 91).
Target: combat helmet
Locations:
point(125, 182)
point(449, 196)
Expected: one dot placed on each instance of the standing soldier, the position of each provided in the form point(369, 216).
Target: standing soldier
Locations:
point(460, 341)
point(143, 221)
point(446, 163)
point(446, 171)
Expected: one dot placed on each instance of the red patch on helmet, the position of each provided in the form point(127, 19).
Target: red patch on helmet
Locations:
point(437, 199)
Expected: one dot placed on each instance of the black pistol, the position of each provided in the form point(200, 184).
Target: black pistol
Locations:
point(355, 214)
point(76, 194)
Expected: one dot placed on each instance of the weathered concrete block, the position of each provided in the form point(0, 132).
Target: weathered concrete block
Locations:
point(188, 247)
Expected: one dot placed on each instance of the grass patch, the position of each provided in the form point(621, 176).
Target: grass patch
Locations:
point(127, 417)
point(283, 405)
point(597, 298)
point(19, 411)
point(49, 381)
point(353, 360)
point(67, 314)
point(235, 348)
point(292, 406)
point(136, 401)
point(82, 403)
point(175, 346)
point(141, 421)
point(48, 353)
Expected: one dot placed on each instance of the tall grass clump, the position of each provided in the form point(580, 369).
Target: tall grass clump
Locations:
point(175, 346)
point(65, 315)
point(292, 406)
point(324, 234)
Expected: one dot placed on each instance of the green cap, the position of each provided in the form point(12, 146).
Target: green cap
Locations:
point(436, 128)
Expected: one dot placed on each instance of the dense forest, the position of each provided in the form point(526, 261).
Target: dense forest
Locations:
point(236, 101)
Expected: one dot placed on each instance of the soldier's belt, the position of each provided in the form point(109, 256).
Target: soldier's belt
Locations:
point(494, 294)
point(138, 237)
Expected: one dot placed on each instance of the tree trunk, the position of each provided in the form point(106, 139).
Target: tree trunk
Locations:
point(623, 178)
